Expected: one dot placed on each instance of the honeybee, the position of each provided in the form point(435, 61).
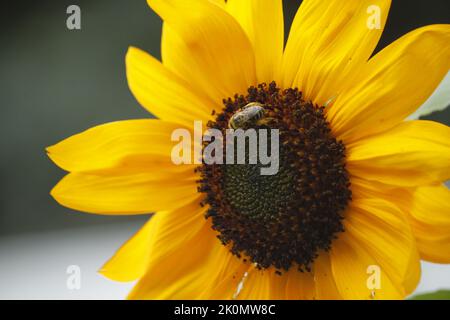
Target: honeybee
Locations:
point(248, 116)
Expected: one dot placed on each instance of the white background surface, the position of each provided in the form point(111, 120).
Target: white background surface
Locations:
point(34, 266)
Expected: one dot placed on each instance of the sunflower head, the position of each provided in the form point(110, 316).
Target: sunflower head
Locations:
point(280, 220)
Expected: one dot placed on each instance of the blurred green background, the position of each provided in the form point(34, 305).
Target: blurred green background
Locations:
point(55, 82)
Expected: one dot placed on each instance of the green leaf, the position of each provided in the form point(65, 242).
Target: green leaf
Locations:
point(437, 295)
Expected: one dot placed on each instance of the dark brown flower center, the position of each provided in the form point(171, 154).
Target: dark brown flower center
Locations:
point(280, 220)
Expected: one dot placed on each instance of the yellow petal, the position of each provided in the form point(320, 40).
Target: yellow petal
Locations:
point(432, 248)
point(206, 46)
point(323, 276)
point(431, 206)
point(411, 154)
point(187, 261)
point(383, 232)
point(130, 262)
point(262, 20)
point(393, 84)
point(328, 43)
point(428, 213)
point(257, 285)
point(402, 198)
point(123, 194)
point(225, 282)
point(130, 146)
point(366, 189)
point(269, 285)
point(163, 93)
point(220, 3)
point(300, 285)
point(350, 264)
point(430, 221)
point(278, 284)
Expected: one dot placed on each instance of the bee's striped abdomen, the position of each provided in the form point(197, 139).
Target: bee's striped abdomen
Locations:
point(248, 116)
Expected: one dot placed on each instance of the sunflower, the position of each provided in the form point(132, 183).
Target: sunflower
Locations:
point(359, 197)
